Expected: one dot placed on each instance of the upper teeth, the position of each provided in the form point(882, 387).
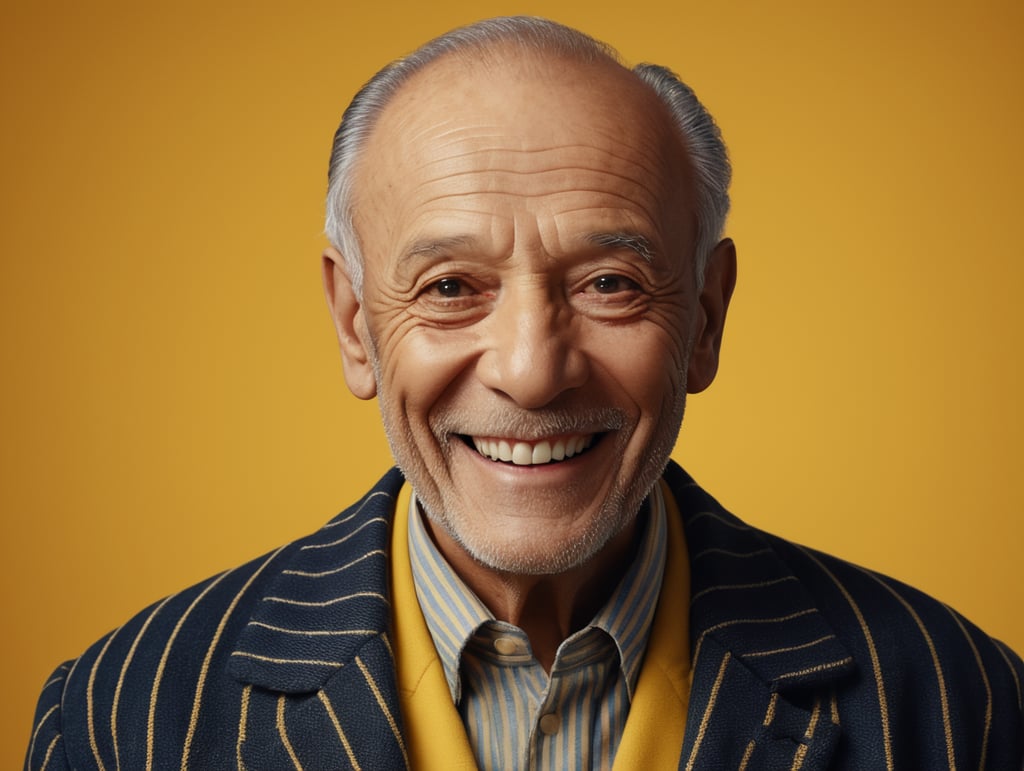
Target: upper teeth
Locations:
point(530, 453)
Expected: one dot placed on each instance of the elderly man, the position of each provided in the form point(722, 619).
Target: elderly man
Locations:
point(527, 271)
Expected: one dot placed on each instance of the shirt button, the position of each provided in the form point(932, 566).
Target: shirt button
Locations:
point(549, 724)
point(506, 646)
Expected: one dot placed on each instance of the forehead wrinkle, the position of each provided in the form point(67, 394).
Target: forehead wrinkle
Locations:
point(608, 198)
point(517, 157)
point(491, 177)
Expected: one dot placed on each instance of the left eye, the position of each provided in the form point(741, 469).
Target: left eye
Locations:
point(612, 284)
point(448, 287)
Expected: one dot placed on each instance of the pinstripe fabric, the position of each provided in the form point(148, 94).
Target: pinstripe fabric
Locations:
point(516, 717)
point(800, 660)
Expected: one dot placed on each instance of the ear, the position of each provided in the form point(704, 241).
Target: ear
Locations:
point(719, 281)
point(350, 324)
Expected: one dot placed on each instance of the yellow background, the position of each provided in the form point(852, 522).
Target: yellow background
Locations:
point(172, 401)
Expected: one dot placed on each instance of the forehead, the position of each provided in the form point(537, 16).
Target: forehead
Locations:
point(524, 124)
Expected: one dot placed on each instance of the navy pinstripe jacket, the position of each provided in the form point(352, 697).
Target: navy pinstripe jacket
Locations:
point(800, 661)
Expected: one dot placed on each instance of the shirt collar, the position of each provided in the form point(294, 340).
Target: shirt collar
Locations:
point(453, 612)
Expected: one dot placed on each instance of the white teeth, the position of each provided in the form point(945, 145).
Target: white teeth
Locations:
point(522, 455)
point(530, 454)
point(541, 452)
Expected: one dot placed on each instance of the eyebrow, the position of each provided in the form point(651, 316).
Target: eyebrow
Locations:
point(436, 247)
point(623, 240)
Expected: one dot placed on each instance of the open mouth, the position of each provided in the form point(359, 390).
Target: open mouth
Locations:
point(523, 453)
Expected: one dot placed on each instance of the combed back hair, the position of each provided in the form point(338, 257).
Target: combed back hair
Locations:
point(699, 133)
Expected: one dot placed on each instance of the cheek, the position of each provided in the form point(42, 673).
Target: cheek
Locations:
point(420, 365)
point(648, 361)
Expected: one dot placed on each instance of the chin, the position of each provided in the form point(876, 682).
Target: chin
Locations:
point(532, 549)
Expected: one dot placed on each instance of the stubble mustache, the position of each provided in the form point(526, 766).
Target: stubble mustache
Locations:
point(519, 424)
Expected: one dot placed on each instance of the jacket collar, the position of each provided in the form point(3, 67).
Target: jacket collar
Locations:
point(759, 643)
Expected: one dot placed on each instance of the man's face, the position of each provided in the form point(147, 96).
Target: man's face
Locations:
point(529, 310)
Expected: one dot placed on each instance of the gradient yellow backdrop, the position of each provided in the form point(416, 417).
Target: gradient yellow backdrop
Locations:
point(172, 401)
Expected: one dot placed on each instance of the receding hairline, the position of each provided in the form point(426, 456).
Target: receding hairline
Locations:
point(495, 55)
point(485, 57)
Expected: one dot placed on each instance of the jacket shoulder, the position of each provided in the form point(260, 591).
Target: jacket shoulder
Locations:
point(152, 691)
point(923, 679)
point(936, 679)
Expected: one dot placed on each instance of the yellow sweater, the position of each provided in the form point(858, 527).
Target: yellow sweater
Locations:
point(434, 734)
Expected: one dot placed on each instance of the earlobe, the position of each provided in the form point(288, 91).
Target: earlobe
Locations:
point(719, 282)
point(350, 324)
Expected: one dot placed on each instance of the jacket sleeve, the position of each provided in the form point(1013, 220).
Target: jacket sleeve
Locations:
point(46, 745)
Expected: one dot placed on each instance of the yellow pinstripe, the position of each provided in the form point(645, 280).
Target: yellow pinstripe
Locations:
point(790, 648)
point(49, 752)
point(988, 687)
point(817, 668)
point(801, 751)
point(204, 669)
point(387, 644)
point(384, 707)
point(1013, 672)
point(316, 632)
point(769, 715)
point(35, 734)
point(745, 761)
point(272, 660)
point(356, 513)
point(243, 718)
point(55, 680)
point(71, 673)
point(875, 664)
point(335, 571)
point(706, 717)
point(121, 675)
point(758, 585)
point(151, 719)
point(324, 603)
point(282, 731)
point(337, 727)
point(89, 721)
point(943, 699)
point(310, 547)
point(733, 622)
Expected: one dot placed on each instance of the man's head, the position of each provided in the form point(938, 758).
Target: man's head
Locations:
point(524, 214)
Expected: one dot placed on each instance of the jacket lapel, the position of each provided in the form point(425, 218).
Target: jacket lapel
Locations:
point(764, 657)
point(318, 639)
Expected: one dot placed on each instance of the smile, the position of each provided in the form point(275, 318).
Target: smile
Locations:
point(523, 453)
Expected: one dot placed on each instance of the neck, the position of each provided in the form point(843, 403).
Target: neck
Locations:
point(548, 608)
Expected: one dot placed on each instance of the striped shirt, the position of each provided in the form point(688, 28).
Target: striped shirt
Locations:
point(517, 716)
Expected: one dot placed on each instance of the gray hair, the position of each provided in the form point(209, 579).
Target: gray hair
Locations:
point(699, 132)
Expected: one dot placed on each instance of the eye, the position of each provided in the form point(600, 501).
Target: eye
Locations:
point(611, 284)
point(448, 287)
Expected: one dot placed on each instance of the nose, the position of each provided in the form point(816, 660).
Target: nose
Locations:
point(532, 354)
